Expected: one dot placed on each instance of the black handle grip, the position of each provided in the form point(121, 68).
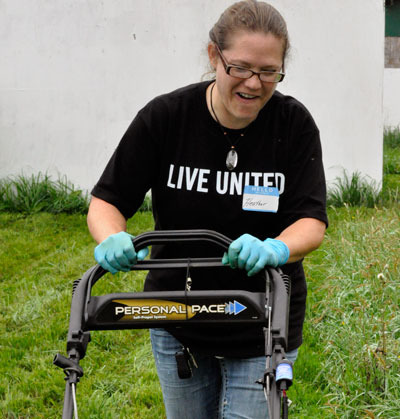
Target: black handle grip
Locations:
point(171, 236)
point(181, 236)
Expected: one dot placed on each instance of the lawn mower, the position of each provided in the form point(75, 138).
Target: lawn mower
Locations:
point(137, 310)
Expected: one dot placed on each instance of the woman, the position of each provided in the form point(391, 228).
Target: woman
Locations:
point(231, 155)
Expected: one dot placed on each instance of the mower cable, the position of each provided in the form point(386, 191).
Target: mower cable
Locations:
point(74, 400)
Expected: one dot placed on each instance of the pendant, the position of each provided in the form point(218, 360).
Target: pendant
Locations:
point(231, 159)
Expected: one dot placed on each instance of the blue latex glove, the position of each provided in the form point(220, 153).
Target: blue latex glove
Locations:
point(116, 253)
point(249, 253)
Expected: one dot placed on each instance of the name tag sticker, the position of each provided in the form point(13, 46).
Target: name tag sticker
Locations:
point(260, 198)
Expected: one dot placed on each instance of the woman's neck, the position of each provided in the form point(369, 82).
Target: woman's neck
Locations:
point(215, 108)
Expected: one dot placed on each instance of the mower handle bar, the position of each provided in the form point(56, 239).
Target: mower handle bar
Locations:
point(180, 236)
point(83, 287)
point(78, 338)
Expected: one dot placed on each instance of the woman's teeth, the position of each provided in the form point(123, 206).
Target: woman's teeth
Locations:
point(246, 96)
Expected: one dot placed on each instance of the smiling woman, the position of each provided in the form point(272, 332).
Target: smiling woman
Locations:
point(232, 155)
point(239, 95)
point(249, 39)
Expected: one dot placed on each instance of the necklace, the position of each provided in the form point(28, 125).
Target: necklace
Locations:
point(232, 156)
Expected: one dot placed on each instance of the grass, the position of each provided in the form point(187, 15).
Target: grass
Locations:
point(360, 191)
point(392, 137)
point(39, 193)
point(391, 148)
point(356, 190)
point(353, 325)
point(348, 366)
point(40, 256)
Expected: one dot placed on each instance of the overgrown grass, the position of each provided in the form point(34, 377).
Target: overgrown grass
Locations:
point(40, 256)
point(348, 366)
point(391, 148)
point(39, 193)
point(356, 190)
point(392, 137)
point(352, 317)
point(360, 191)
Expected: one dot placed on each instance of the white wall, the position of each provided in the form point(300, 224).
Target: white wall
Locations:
point(75, 72)
point(337, 71)
point(391, 97)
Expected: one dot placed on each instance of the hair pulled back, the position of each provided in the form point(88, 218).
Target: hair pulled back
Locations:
point(251, 16)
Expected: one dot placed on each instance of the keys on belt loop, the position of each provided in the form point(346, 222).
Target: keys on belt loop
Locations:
point(185, 362)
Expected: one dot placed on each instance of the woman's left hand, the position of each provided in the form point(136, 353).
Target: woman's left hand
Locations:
point(250, 253)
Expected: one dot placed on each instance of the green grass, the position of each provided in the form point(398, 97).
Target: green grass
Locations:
point(353, 325)
point(40, 256)
point(391, 137)
point(39, 193)
point(391, 151)
point(353, 191)
point(348, 366)
point(360, 191)
point(357, 190)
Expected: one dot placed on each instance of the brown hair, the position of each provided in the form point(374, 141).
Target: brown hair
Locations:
point(253, 16)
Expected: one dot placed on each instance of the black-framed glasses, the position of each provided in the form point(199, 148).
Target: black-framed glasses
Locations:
point(246, 73)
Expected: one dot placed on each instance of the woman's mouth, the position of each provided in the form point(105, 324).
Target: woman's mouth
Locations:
point(246, 96)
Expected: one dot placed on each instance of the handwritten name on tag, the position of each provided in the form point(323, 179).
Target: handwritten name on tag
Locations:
point(260, 198)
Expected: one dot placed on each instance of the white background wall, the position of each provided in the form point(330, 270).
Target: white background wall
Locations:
point(75, 72)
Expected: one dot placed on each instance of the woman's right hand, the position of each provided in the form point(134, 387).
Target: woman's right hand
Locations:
point(117, 253)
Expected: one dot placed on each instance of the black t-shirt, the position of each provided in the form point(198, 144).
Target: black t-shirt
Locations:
point(175, 148)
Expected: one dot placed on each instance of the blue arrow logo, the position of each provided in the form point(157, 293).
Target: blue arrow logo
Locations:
point(234, 308)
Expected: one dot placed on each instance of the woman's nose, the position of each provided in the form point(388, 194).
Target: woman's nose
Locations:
point(253, 82)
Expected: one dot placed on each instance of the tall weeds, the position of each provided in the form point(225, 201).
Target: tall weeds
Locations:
point(354, 191)
point(38, 193)
point(354, 311)
point(391, 151)
point(392, 137)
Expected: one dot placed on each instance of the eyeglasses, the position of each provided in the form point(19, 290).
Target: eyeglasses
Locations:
point(246, 73)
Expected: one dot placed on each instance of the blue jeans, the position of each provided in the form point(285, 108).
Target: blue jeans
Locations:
point(220, 388)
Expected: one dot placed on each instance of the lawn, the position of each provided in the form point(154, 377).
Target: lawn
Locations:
point(348, 366)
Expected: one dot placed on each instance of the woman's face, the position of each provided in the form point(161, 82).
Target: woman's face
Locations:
point(238, 101)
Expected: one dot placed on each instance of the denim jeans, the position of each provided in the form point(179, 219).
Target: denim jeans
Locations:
point(220, 388)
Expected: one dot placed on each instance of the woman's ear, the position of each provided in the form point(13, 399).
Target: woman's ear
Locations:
point(212, 55)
